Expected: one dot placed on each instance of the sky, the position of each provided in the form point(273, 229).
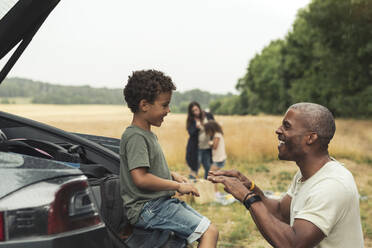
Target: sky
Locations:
point(204, 44)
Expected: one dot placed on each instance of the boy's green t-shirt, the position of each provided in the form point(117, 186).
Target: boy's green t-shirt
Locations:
point(140, 148)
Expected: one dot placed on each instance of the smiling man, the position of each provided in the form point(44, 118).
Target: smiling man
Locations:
point(321, 207)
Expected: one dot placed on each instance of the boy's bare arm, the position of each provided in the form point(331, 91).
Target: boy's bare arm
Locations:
point(145, 180)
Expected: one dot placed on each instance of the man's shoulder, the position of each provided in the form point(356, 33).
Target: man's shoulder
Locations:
point(336, 177)
point(337, 169)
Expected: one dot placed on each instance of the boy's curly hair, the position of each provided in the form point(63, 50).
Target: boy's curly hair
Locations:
point(147, 85)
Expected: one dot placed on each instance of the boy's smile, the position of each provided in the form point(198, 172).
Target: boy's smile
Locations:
point(159, 109)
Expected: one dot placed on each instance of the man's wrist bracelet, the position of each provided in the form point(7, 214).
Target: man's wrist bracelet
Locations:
point(246, 196)
point(248, 202)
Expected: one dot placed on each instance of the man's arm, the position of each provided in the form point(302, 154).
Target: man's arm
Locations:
point(279, 234)
point(145, 180)
point(268, 215)
point(280, 209)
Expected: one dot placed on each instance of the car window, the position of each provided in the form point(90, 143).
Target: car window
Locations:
point(5, 6)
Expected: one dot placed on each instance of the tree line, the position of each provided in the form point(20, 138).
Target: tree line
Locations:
point(47, 93)
point(326, 58)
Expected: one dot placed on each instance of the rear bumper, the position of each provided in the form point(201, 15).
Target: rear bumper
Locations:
point(92, 237)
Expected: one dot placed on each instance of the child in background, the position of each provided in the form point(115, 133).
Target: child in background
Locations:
point(147, 186)
point(214, 130)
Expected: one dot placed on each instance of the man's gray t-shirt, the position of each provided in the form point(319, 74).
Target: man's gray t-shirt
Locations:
point(140, 148)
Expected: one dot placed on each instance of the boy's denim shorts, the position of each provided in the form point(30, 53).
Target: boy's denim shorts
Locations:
point(173, 214)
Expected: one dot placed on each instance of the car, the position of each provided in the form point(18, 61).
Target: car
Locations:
point(51, 180)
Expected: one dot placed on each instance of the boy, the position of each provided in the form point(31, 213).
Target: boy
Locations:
point(146, 182)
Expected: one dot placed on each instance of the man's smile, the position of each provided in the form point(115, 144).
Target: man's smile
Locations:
point(281, 141)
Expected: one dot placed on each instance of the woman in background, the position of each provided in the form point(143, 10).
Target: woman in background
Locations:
point(197, 150)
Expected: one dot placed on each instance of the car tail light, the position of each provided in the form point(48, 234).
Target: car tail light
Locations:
point(47, 208)
point(72, 209)
point(2, 235)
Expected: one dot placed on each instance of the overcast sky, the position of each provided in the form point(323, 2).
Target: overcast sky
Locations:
point(205, 44)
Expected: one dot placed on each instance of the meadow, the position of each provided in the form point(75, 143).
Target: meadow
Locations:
point(251, 146)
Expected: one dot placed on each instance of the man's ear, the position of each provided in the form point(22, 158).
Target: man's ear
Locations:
point(313, 137)
point(144, 105)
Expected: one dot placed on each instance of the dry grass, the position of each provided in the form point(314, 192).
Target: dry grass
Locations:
point(248, 138)
point(251, 145)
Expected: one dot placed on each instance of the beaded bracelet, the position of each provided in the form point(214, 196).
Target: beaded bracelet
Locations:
point(252, 185)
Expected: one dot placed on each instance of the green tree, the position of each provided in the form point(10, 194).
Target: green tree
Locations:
point(326, 58)
point(263, 88)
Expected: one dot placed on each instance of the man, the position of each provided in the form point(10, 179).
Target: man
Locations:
point(321, 207)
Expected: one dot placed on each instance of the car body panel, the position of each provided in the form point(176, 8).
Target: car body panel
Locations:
point(19, 127)
point(92, 237)
point(111, 143)
point(18, 171)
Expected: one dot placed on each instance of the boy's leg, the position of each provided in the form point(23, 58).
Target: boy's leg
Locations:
point(173, 214)
point(209, 238)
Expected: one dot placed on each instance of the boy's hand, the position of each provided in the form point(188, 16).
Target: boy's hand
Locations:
point(179, 178)
point(186, 188)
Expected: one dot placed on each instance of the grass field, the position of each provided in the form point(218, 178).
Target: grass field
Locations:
point(251, 146)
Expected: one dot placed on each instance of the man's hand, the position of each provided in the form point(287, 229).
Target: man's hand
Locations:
point(187, 188)
point(179, 178)
point(232, 173)
point(232, 185)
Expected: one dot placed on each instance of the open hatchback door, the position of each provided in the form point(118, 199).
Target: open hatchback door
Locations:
point(20, 20)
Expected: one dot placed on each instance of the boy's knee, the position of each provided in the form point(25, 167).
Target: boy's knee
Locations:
point(210, 237)
point(212, 229)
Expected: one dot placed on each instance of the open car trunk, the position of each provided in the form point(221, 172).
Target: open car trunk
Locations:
point(20, 20)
